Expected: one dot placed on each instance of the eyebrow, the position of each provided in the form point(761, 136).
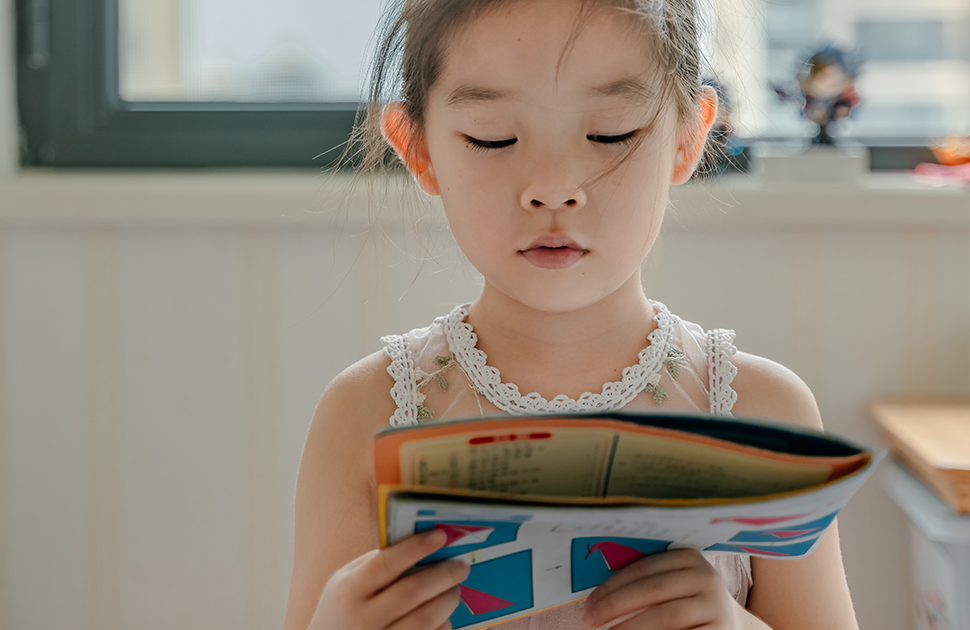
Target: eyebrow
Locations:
point(470, 94)
point(627, 87)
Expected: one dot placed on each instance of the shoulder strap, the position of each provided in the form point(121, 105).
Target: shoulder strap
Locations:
point(720, 349)
point(405, 389)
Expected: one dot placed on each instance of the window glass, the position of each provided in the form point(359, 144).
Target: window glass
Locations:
point(243, 50)
point(915, 79)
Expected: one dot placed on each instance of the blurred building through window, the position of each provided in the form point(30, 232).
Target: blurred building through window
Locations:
point(915, 81)
point(244, 50)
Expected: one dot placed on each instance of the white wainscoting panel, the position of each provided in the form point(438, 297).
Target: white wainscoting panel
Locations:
point(158, 376)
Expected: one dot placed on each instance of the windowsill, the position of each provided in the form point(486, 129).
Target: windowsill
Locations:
point(299, 199)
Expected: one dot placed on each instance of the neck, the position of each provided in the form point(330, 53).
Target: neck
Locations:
point(565, 352)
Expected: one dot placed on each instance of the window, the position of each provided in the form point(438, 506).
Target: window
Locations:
point(274, 82)
point(138, 83)
point(915, 79)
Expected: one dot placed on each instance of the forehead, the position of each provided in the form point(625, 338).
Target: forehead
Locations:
point(546, 49)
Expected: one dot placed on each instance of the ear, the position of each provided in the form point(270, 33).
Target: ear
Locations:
point(410, 147)
point(693, 137)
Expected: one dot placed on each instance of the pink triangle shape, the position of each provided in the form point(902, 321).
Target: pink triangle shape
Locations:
point(616, 555)
point(455, 532)
point(480, 603)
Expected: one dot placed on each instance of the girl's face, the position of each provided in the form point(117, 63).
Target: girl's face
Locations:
point(521, 133)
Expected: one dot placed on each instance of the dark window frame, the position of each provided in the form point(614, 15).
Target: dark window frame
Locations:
point(72, 116)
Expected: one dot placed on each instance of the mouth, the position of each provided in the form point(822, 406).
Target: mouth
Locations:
point(553, 252)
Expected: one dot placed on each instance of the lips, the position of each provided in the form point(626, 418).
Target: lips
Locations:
point(554, 251)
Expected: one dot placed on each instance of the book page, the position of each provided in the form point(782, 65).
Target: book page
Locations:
point(526, 557)
point(658, 467)
point(558, 462)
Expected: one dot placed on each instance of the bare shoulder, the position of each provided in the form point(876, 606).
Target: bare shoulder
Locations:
point(336, 503)
point(352, 408)
point(767, 389)
point(362, 390)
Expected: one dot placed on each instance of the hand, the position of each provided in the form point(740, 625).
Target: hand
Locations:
point(372, 592)
point(675, 590)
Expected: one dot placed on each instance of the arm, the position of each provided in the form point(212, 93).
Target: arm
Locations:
point(336, 504)
point(806, 593)
point(680, 589)
point(340, 579)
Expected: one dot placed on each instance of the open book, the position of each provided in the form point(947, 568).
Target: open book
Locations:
point(547, 508)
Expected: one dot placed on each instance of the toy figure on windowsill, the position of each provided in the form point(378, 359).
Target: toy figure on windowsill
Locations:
point(826, 89)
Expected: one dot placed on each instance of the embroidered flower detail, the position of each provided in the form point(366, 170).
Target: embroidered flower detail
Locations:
point(674, 357)
point(423, 379)
point(659, 393)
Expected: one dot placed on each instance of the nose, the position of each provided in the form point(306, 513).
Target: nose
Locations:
point(553, 191)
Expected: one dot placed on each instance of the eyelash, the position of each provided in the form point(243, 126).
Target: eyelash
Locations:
point(488, 145)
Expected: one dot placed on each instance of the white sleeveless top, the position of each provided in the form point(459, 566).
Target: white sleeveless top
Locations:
point(439, 374)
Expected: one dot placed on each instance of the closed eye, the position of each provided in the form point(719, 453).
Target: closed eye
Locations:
point(626, 137)
point(477, 144)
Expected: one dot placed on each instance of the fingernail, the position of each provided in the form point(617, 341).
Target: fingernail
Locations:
point(466, 569)
point(437, 536)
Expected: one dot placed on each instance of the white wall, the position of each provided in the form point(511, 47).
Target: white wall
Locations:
point(164, 339)
point(8, 105)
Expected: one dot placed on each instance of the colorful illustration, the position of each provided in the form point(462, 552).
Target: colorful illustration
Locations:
point(616, 555)
point(466, 536)
point(596, 559)
point(495, 588)
point(785, 533)
point(795, 549)
point(479, 603)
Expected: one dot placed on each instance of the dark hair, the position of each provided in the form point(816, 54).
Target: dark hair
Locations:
point(409, 57)
point(825, 57)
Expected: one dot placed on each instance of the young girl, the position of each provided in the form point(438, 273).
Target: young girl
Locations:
point(552, 130)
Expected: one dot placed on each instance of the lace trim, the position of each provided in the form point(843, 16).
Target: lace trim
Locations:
point(405, 390)
point(720, 349)
point(506, 396)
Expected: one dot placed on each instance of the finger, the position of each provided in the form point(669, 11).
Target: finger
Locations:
point(676, 615)
point(359, 560)
point(411, 592)
point(645, 567)
point(431, 614)
point(387, 565)
point(651, 591)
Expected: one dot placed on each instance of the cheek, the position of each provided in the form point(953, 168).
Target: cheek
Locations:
point(637, 201)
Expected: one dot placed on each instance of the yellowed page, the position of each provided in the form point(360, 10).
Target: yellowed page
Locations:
point(663, 468)
point(569, 462)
